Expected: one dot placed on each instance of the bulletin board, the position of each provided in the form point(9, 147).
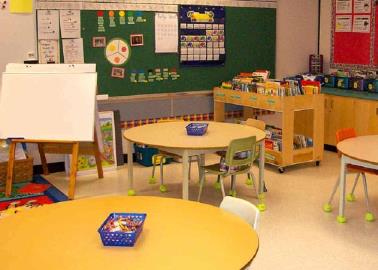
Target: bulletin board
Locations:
point(354, 34)
point(250, 45)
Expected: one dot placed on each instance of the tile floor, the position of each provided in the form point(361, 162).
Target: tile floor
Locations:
point(294, 231)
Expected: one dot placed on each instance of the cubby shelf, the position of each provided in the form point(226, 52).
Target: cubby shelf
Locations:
point(300, 115)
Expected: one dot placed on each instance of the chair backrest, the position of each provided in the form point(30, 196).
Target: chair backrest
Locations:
point(345, 133)
point(242, 208)
point(255, 123)
point(246, 145)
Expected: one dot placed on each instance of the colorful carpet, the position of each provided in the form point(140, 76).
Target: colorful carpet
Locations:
point(27, 195)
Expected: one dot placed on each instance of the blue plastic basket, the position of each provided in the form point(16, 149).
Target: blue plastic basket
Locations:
point(196, 129)
point(124, 239)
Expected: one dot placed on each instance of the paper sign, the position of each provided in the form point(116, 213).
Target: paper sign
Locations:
point(70, 23)
point(73, 51)
point(166, 33)
point(48, 24)
point(361, 23)
point(343, 23)
point(343, 6)
point(362, 6)
point(21, 6)
point(48, 51)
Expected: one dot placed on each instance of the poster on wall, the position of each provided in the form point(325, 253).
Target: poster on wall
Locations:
point(202, 35)
point(70, 23)
point(343, 6)
point(48, 24)
point(354, 34)
point(166, 32)
point(73, 51)
point(48, 51)
point(87, 163)
point(343, 23)
point(362, 6)
point(361, 23)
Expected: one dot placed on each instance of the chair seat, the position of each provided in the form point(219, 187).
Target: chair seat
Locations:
point(359, 169)
point(216, 169)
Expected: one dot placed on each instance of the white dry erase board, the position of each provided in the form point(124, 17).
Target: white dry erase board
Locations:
point(48, 106)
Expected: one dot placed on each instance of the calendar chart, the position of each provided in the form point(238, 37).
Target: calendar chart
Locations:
point(202, 35)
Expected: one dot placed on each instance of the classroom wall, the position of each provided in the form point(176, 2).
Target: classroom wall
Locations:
point(296, 35)
point(325, 32)
point(296, 39)
point(18, 37)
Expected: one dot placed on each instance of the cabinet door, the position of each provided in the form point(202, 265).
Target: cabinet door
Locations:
point(339, 113)
point(366, 117)
point(328, 136)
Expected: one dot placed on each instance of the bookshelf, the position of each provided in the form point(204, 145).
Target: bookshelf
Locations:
point(302, 114)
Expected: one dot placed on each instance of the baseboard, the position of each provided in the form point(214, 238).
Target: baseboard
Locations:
point(331, 148)
point(59, 166)
point(53, 168)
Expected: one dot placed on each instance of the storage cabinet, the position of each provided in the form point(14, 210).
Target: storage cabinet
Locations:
point(343, 112)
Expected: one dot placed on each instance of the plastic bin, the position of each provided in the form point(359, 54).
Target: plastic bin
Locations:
point(196, 129)
point(124, 239)
point(144, 155)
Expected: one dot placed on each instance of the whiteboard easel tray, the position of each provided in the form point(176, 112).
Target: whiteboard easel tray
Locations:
point(48, 106)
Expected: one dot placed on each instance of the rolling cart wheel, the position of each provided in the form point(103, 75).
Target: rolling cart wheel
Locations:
point(281, 169)
point(317, 163)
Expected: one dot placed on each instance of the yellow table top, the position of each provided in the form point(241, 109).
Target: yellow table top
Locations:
point(363, 148)
point(173, 135)
point(177, 234)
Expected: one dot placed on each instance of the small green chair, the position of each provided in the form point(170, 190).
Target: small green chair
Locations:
point(234, 165)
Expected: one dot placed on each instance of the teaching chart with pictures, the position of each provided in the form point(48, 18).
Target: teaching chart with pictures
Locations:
point(202, 35)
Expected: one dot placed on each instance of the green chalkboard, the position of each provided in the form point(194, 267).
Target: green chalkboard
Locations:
point(250, 45)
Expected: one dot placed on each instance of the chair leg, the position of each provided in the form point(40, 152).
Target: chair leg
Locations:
point(200, 163)
point(351, 197)
point(202, 180)
point(254, 183)
point(249, 181)
point(152, 179)
point(369, 215)
point(190, 167)
point(222, 186)
point(217, 184)
point(328, 207)
point(233, 191)
point(163, 188)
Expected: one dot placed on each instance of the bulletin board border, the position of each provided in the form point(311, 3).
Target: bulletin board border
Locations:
point(148, 5)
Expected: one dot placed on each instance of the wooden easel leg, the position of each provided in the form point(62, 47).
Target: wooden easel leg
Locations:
point(10, 173)
point(73, 170)
point(96, 150)
point(43, 159)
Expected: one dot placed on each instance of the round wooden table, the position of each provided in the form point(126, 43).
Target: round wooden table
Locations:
point(361, 151)
point(172, 137)
point(177, 234)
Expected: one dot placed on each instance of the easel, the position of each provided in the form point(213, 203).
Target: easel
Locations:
point(57, 147)
point(68, 93)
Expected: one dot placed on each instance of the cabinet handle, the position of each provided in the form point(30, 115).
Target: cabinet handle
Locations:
point(376, 111)
point(331, 104)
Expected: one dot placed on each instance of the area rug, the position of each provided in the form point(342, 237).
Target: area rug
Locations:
point(27, 195)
